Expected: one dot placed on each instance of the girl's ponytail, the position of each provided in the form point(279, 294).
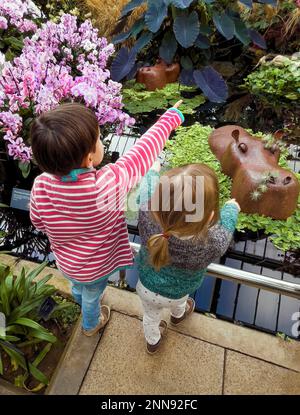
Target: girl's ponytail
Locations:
point(159, 251)
point(171, 214)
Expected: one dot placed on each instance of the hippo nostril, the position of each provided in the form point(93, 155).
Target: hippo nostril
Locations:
point(287, 180)
point(243, 147)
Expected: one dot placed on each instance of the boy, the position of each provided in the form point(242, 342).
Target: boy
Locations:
point(81, 208)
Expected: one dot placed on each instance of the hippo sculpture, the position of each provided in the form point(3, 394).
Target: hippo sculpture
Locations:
point(157, 76)
point(258, 184)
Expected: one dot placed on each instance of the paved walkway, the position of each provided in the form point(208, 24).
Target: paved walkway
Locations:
point(202, 356)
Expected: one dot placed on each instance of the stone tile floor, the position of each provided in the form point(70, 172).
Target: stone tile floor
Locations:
point(202, 356)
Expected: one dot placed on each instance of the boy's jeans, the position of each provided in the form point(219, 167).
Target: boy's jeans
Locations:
point(88, 297)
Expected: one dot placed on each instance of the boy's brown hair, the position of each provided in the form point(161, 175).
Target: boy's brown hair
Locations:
point(61, 138)
point(173, 222)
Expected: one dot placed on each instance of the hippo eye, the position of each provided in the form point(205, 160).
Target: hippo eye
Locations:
point(243, 147)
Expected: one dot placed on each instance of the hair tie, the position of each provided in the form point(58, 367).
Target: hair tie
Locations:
point(164, 235)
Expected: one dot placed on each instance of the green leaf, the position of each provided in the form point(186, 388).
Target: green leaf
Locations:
point(36, 271)
point(16, 43)
point(16, 356)
point(38, 374)
point(42, 335)
point(1, 364)
point(25, 168)
point(29, 323)
point(42, 355)
point(4, 297)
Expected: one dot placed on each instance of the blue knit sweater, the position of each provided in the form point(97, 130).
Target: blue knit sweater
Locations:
point(189, 258)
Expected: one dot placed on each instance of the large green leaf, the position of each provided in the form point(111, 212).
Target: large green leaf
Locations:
point(35, 272)
point(15, 355)
point(181, 4)
point(25, 308)
point(42, 335)
point(4, 297)
point(168, 47)
point(4, 271)
point(38, 374)
point(142, 41)
point(39, 287)
point(224, 24)
point(20, 285)
point(25, 167)
point(212, 84)
point(186, 29)
point(122, 64)
point(241, 31)
point(23, 321)
point(10, 338)
point(155, 15)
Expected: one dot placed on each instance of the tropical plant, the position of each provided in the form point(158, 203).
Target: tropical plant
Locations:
point(184, 30)
point(65, 312)
point(280, 24)
point(276, 82)
point(20, 300)
point(63, 62)
point(191, 146)
point(138, 100)
point(24, 302)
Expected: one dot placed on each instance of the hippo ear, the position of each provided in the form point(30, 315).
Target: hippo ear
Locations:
point(235, 134)
point(278, 134)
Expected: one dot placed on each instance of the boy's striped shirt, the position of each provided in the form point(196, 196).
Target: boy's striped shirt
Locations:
point(84, 220)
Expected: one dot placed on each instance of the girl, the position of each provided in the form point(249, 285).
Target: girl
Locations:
point(176, 250)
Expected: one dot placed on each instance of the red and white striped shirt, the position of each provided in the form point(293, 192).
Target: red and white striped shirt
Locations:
point(84, 220)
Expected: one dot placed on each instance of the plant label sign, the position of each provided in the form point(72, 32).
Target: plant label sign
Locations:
point(20, 199)
point(2, 324)
point(47, 307)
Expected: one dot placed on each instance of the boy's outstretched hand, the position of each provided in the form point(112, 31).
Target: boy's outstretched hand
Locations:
point(178, 103)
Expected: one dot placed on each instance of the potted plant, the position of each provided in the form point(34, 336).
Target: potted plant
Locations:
point(36, 323)
point(187, 32)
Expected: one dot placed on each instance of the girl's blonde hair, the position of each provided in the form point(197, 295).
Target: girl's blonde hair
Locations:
point(172, 221)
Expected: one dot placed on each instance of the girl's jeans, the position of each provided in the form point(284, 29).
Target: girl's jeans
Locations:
point(88, 297)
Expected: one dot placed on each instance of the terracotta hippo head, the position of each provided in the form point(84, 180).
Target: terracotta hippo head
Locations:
point(252, 167)
point(157, 76)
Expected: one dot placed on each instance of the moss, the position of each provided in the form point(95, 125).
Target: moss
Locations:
point(138, 100)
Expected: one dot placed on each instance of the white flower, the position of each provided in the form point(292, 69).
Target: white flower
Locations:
point(88, 45)
point(33, 9)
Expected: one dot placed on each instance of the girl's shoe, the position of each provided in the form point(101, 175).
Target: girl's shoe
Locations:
point(189, 308)
point(105, 314)
point(153, 348)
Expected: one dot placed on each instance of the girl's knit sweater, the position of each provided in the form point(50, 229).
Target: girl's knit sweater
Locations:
point(189, 257)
